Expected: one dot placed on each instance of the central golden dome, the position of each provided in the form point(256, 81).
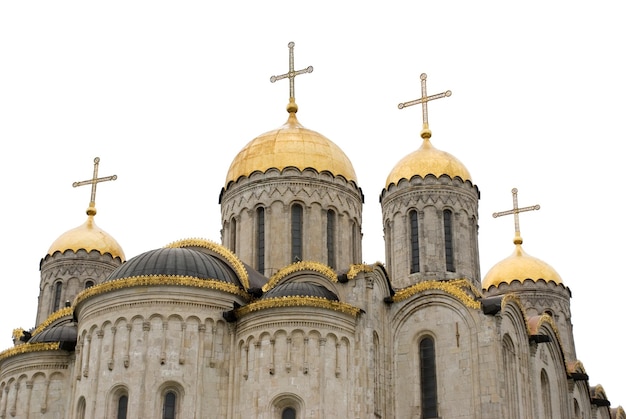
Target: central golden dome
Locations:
point(427, 160)
point(291, 145)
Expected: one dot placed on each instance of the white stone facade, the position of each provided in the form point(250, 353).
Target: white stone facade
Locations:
point(194, 330)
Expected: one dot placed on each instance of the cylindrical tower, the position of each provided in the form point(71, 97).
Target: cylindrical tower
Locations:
point(80, 258)
point(430, 218)
point(291, 194)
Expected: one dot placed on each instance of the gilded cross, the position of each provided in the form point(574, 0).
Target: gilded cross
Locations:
point(515, 211)
point(291, 74)
point(93, 182)
point(424, 100)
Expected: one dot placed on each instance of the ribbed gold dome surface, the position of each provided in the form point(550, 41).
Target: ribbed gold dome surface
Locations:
point(520, 266)
point(291, 145)
point(427, 160)
point(88, 237)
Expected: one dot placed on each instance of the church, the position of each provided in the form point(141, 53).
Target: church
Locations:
point(281, 319)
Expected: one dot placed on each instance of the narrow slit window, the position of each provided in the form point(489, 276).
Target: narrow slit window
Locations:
point(415, 251)
point(447, 231)
point(260, 239)
point(58, 288)
point(288, 413)
point(296, 233)
point(122, 407)
point(330, 237)
point(428, 378)
point(169, 405)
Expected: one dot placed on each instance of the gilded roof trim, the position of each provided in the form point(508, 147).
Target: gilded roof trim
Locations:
point(29, 348)
point(152, 280)
point(298, 301)
point(64, 312)
point(453, 288)
point(232, 258)
point(357, 269)
point(304, 265)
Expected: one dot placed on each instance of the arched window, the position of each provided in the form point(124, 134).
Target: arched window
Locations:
point(58, 288)
point(331, 221)
point(545, 395)
point(80, 408)
point(233, 235)
point(356, 240)
point(428, 378)
point(447, 232)
point(415, 250)
point(260, 239)
point(169, 405)
point(510, 376)
point(296, 233)
point(122, 406)
point(89, 284)
point(288, 413)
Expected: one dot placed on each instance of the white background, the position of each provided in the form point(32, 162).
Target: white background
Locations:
point(167, 93)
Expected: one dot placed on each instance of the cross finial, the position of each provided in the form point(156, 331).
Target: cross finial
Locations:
point(424, 101)
point(93, 182)
point(515, 211)
point(291, 75)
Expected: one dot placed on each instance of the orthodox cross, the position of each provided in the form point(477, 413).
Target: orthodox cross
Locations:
point(93, 182)
point(291, 74)
point(424, 100)
point(515, 211)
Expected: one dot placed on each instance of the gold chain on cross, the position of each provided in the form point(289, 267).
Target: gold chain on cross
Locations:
point(291, 75)
point(424, 101)
point(93, 182)
point(515, 211)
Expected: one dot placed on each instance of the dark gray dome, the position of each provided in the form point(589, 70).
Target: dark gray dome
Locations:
point(176, 262)
point(65, 333)
point(300, 289)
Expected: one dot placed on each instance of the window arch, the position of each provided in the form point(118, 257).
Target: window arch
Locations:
point(448, 240)
point(260, 239)
point(171, 395)
point(414, 245)
point(89, 283)
point(58, 289)
point(118, 403)
point(331, 228)
point(296, 232)
point(287, 406)
point(428, 377)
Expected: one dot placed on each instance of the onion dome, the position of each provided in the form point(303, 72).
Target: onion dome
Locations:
point(88, 237)
point(180, 262)
point(291, 145)
point(300, 289)
point(520, 266)
point(65, 333)
point(427, 160)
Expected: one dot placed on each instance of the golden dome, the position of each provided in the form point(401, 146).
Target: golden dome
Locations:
point(290, 145)
point(427, 160)
point(520, 266)
point(88, 237)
